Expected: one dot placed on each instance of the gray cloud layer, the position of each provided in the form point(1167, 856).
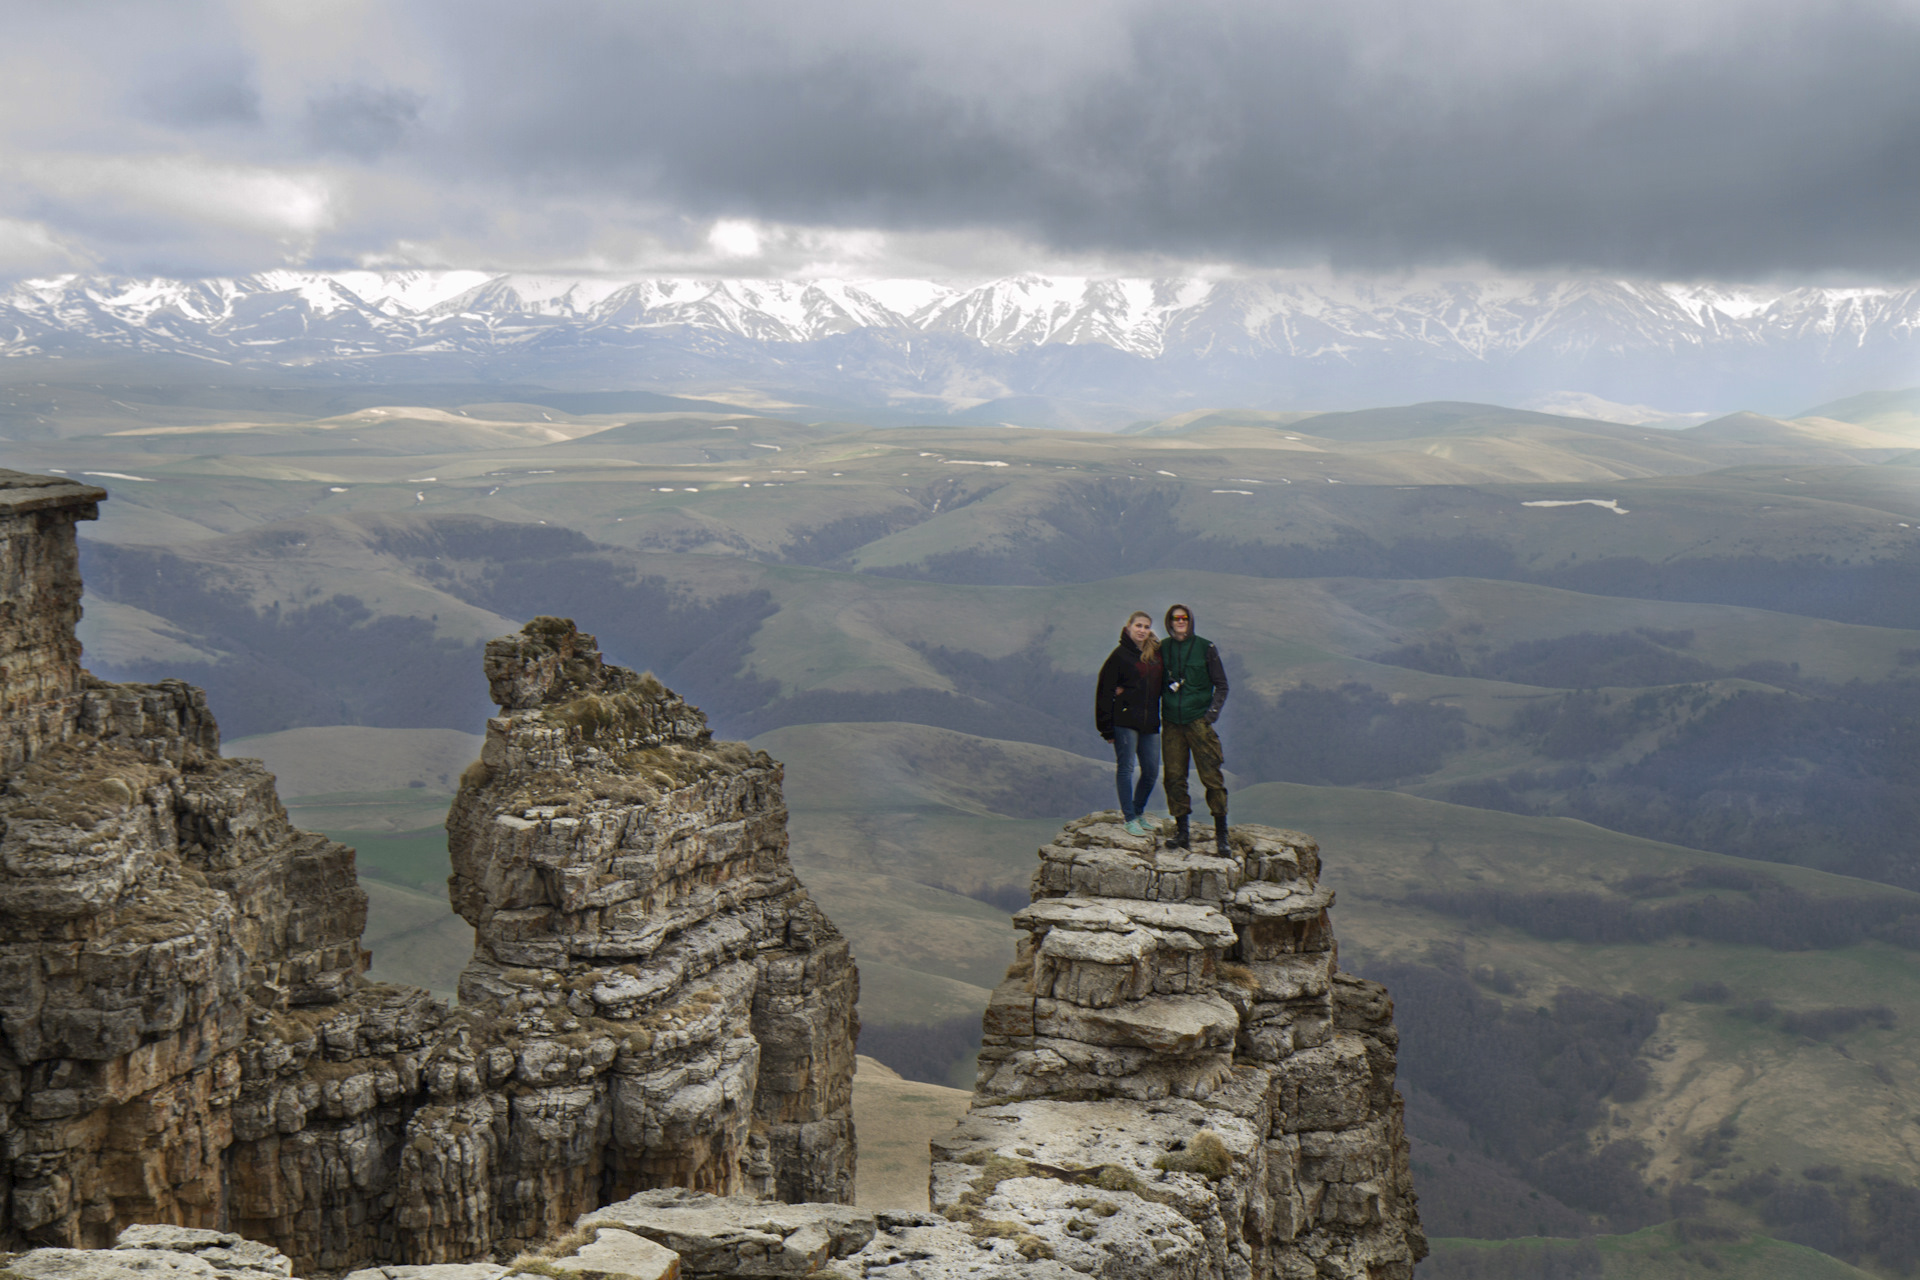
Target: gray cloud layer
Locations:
point(1732, 138)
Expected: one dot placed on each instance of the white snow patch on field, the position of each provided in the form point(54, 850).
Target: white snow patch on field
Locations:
point(1605, 504)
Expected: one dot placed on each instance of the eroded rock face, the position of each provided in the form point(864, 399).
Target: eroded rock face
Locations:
point(1177, 1083)
point(163, 924)
point(1175, 1027)
point(665, 997)
point(187, 1036)
point(39, 608)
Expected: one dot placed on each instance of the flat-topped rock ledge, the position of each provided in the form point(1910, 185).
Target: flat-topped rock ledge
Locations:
point(158, 1253)
point(1174, 1063)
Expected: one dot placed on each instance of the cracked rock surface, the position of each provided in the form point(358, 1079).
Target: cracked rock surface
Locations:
point(666, 1005)
point(1176, 1079)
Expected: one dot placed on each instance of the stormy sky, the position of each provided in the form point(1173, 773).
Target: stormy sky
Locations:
point(1706, 139)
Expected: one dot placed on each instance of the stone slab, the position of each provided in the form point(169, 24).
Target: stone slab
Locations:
point(715, 1235)
point(620, 1255)
point(1172, 1025)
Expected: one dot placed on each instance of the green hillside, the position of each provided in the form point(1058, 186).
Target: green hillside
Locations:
point(1657, 1253)
point(1611, 734)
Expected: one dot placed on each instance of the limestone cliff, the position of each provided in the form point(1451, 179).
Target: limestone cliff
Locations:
point(188, 1037)
point(1175, 1027)
point(627, 877)
point(1178, 1084)
point(164, 924)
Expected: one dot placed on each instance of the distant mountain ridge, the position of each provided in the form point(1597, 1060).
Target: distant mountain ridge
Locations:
point(1283, 341)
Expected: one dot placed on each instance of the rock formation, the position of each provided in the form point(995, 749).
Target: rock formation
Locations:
point(1177, 1084)
point(171, 944)
point(655, 1033)
point(1175, 1028)
point(628, 883)
point(188, 1035)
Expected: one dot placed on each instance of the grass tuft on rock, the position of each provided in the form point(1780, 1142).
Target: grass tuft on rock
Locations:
point(1206, 1155)
point(999, 1169)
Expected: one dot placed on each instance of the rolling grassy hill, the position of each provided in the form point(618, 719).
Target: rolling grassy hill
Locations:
point(1655, 1253)
point(1587, 718)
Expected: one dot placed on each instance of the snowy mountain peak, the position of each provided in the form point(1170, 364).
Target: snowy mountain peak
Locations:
point(1279, 322)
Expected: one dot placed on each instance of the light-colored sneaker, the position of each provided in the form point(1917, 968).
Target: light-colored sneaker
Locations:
point(1135, 827)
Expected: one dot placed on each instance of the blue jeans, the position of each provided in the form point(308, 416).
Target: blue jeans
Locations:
point(1129, 745)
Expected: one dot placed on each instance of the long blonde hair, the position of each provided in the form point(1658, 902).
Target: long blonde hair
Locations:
point(1151, 649)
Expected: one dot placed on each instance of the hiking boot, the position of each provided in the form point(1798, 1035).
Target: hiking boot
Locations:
point(1220, 834)
point(1182, 839)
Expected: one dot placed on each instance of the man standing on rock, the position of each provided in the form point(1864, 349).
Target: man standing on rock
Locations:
point(1190, 701)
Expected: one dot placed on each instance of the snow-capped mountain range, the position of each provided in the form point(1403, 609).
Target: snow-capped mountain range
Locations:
point(1276, 339)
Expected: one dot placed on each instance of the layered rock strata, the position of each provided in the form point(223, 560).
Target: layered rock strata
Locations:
point(1177, 1083)
point(1176, 1080)
point(170, 941)
point(682, 1009)
point(187, 1035)
point(1175, 1027)
point(40, 672)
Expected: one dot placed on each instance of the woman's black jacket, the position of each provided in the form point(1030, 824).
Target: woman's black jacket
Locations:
point(1128, 694)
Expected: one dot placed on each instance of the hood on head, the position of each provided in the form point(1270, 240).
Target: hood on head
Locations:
point(1193, 620)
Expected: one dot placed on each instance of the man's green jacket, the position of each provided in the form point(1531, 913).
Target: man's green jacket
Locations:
point(1196, 684)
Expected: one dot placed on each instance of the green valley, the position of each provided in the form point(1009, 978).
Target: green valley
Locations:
point(1610, 735)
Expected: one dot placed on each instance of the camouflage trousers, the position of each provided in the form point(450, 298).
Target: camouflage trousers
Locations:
point(1197, 742)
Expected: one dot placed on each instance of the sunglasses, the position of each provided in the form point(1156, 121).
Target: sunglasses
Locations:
point(1180, 617)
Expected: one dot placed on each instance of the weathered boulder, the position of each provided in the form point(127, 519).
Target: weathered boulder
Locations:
point(159, 1253)
point(731, 1236)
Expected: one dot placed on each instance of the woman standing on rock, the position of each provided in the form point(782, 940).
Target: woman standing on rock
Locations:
point(1126, 711)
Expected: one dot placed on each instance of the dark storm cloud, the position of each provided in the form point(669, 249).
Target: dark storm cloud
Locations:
point(1716, 138)
point(202, 97)
point(361, 121)
point(1736, 139)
